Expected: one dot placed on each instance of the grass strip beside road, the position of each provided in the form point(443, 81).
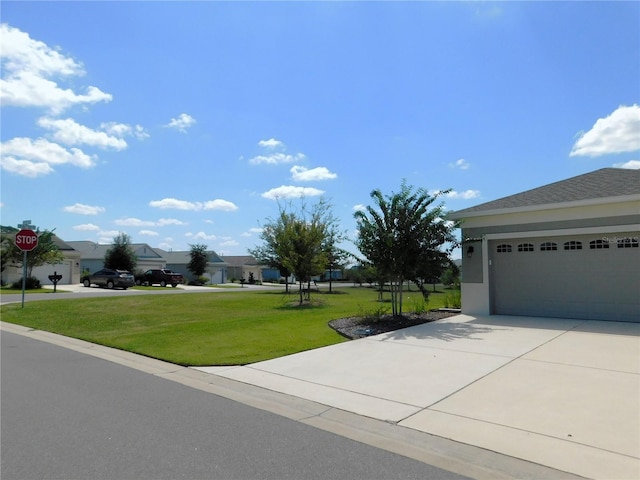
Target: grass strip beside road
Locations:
point(202, 329)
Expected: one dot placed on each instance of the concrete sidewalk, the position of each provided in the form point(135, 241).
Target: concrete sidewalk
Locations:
point(556, 392)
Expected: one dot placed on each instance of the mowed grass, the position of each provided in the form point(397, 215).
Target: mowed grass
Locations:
point(203, 329)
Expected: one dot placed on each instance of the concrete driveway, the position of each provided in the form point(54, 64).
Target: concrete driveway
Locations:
point(557, 392)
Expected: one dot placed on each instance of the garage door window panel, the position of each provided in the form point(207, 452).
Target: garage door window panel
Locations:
point(526, 247)
point(628, 242)
point(504, 248)
point(598, 244)
point(548, 247)
point(573, 245)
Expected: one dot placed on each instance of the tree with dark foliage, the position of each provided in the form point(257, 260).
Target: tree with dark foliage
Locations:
point(121, 255)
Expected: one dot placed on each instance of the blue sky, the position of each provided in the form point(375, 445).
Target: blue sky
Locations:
point(183, 122)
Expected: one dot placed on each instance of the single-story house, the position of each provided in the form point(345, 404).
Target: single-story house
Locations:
point(242, 266)
point(177, 261)
point(69, 268)
point(92, 256)
point(569, 249)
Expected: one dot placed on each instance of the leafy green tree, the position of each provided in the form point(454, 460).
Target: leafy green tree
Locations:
point(403, 236)
point(121, 255)
point(270, 252)
point(47, 252)
point(295, 241)
point(451, 276)
point(199, 260)
point(302, 250)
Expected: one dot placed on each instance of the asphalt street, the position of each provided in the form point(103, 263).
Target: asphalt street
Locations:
point(67, 415)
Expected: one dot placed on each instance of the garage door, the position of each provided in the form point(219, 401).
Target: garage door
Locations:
point(588, 276)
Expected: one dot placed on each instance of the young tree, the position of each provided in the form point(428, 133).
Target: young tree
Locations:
point(294, 241)
point(121, 255)
point(199, 260)
point(270, 252)
point(47, 252)
point(303, 254)
point(402, 237)
point(336, 257)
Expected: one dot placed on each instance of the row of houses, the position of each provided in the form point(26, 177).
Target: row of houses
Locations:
point(569, 249)
point(85, 256)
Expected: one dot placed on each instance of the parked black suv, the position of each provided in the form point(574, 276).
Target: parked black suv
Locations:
point(161, 276)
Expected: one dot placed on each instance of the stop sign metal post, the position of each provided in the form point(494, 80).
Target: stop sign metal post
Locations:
point(26, 240)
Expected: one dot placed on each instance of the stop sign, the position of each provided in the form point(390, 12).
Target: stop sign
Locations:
point(26, 240)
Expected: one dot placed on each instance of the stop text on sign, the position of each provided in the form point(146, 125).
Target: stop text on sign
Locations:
point(26, 240)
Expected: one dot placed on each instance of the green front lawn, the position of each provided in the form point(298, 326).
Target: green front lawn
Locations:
point(204, 329)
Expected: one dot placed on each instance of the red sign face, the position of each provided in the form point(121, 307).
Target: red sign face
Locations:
point(26, 240)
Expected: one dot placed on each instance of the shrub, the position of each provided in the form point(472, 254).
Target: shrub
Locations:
point(373, 315)
point(32, 283)
point(420, 305)
point(453, 300)
point(200, 281)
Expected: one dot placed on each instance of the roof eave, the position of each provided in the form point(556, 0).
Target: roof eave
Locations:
point(548, 206)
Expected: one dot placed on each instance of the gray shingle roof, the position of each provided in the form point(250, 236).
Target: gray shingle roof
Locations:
point(603, 183)
point(240, 260)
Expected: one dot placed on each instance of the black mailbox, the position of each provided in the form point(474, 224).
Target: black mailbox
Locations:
point(55, 278)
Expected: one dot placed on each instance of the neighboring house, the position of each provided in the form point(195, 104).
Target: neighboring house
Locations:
point(69, 268)
point(92, 256)
point(178, 261)
point(568, 249)
point(242, 266)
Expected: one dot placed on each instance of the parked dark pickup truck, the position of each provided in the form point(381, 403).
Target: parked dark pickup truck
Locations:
point(162, 276)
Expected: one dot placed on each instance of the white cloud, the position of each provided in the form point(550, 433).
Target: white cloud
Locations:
point(134, 222)
point(26, 168)
point(229, 243)
point(460, 164)
point(219, 204)
point(169, 221)
point(302, 174)
point(69, 132)
point(631, 164)
point(271, 143)
point(181, 123)
point(82, 209)
point(87, 227)
point(173, 203)
point(200, 236)
point(30, 70)
point(251, 232)
point(124, 130)
point(30, 158)
point(466, 195)
point(276, 158)
point(359, 207)
point(617, 133)
point(288, 191)
point(148, 233)
point(107, 236)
